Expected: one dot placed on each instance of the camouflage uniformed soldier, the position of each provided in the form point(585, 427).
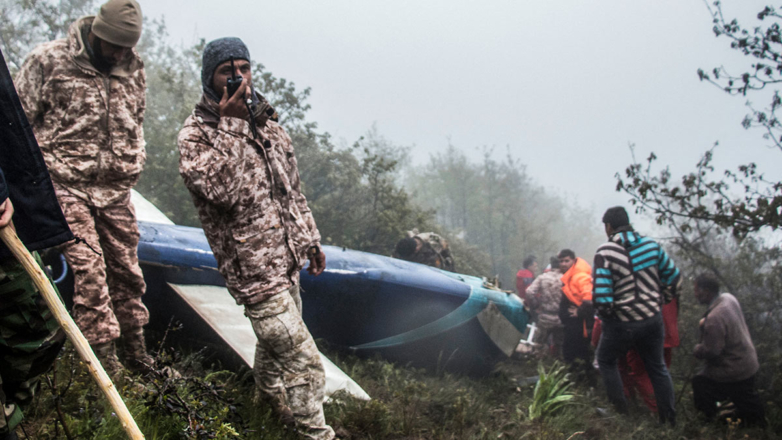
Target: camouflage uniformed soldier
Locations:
point(84, 96)
point(425, 248)
point(543, 298)
point(240, 168)
point(30, 338)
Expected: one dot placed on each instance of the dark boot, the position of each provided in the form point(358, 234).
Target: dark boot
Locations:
point(107, 355)
point(137, 359)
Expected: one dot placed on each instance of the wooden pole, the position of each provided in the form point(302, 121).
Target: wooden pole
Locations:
point(43, 284)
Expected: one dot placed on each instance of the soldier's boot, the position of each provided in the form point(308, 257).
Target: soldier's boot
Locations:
point(107, 355)
point(135, 353)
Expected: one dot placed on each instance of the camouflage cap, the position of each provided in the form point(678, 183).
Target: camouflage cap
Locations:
point(119, 22)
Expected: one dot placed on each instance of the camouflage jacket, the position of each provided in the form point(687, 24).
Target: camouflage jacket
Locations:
point(87, 124)
point(545, 293)
point(248, 196)
point(434, 251)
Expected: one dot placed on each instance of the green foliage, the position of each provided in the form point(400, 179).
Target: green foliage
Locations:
point(552, 392)
point(354, 192)
point(202, 403)
point(406, 403)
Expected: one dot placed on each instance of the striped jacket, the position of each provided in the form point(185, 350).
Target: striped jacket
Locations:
point(633, 276)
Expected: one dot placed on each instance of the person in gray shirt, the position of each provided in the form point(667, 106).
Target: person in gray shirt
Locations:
point(730, 360)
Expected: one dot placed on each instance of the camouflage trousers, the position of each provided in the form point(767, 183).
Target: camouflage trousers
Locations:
point(549, 327)
point(288, 370)
point(30, 340)
point(107, 288)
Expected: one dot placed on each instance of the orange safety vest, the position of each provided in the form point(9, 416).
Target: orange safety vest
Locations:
point(577, 284)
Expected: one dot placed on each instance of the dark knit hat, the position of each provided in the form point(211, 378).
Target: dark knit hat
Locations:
point(616, 217)
point(215, 53)
point(119, 22)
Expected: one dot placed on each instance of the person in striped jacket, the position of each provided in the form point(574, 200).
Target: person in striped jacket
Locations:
point(633, 278)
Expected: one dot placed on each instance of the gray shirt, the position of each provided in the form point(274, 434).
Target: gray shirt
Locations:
point(726, 346)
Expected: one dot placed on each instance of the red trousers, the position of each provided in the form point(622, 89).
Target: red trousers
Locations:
point(635, 379)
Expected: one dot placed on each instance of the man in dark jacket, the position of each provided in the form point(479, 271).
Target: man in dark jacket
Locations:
point(633, 278)
point(29, 335)
point(730, 360)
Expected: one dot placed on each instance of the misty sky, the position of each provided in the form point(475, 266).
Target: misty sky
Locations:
point(566, 85)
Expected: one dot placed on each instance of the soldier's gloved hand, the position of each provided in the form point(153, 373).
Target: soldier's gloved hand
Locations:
point(317, 263)
point(235, 105)
point(6, 212)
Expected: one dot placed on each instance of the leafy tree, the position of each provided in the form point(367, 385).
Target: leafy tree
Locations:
point(353, 192)
point(743, 201)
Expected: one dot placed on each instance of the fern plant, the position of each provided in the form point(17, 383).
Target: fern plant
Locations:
point(552, 392)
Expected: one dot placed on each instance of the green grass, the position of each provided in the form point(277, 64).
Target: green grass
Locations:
point(407, 403)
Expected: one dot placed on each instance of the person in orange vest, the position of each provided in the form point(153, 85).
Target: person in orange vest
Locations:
point(575, 309)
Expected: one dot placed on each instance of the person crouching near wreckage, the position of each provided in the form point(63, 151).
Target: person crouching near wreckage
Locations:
point(85, 98)
point(240, 168)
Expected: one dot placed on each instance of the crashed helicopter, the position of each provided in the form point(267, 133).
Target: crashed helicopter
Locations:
point(362, 302)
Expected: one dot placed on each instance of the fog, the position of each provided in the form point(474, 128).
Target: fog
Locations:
point(565, 86)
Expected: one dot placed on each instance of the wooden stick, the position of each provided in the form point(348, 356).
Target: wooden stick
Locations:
point(43, 284)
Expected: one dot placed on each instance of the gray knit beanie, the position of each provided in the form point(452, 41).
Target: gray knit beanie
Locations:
point(215, 53)
point(119, 22)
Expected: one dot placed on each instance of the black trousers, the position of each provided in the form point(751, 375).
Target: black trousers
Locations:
point(743, 394)
point(575, 346)
point(577, 353)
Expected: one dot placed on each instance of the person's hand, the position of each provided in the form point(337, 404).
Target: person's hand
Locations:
point(317, 263)
point(6, 212)
point(701, 322)
point(572, 311)
point(235, 106)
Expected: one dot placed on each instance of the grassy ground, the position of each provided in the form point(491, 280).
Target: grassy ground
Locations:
point(407, 403)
